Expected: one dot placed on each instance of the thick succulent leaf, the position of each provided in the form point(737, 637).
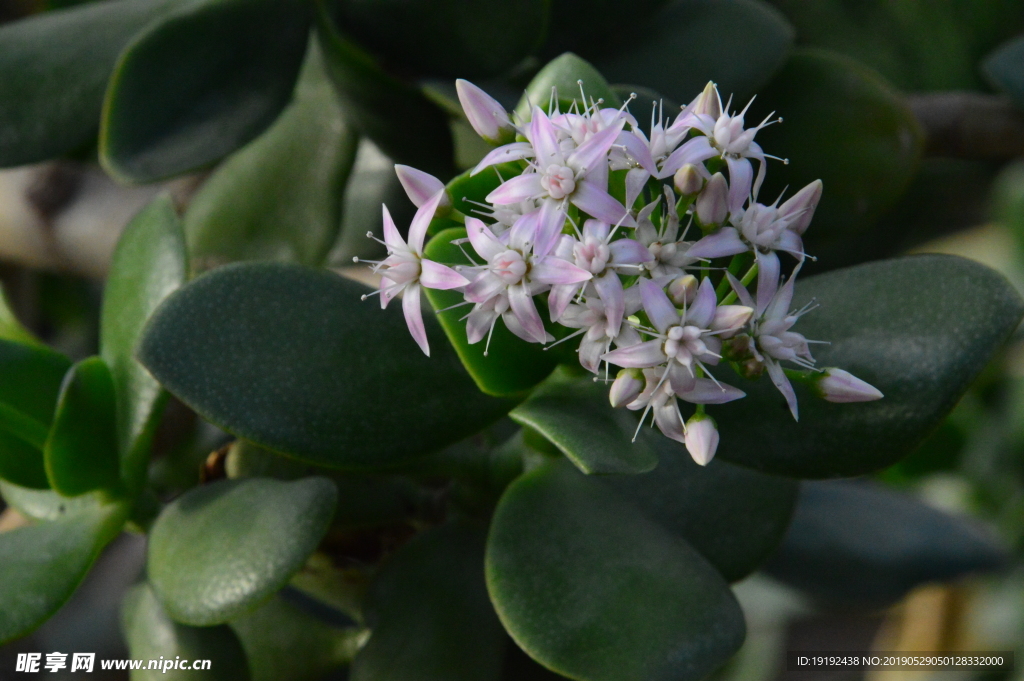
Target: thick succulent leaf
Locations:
point(1005, 68)
point(429, 613)
point(591, 588)
point(221, 549)
point(861, 543)
point(918, 328)
point(511, 365)
point(1007, 199)
point(407, 126)
point(846, 126)
point(279, 198)
point(734, 516)
point(151, 635)
point(468, 191)
point(591, 26)
point(149, 263)
point(50, 99)
point(11, 327)
point(41, 565)
point(45, 504)
point(197, 85)
point(738, 44)
point(575, 415)
point(563, 73)
point(81, 451)
point(292, 359)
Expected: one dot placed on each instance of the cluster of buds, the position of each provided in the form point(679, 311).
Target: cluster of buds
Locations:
point(615, 262)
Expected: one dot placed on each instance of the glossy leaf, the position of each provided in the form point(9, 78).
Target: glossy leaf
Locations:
point(429, 613)
point(738, 44)
point(279, 198)
point(575, 415)
point(197, 85)
point(918, 328)
point(1005, 68)
point(81, 451)
point(45, 504)
point(563, 73)
point(291, 359)
point(591, 588)
point(41, 565)
point(407, 126)
point(148, 265)
point(221, 549)
point(468, 191)
point(50, 99)
point(861, 543)
point(152, 635)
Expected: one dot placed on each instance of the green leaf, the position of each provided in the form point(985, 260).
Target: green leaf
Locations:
point(563, 73)
point(152, 635)
point(591, 26)
point(407, 126)
point(50, 99)
point(511, 365)
point(1005, 69)
point(1008, 200)
point(149, 263)
point(291, 359)
point(469, 191)
point(197, 85)
point(81, 451)
point(574, 414)
point(738, 44)
point(846, 126)
point(430, 615)
point(593, 589)
point(863, 544)
point(279, 198)
point(45, 504)
point(41, 565)
point(918, 328)
point(221, 549)
point(11, 327)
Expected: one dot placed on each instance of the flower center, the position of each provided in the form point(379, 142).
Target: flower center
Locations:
point(510, 266)
point(558, 181)
point(592, 255)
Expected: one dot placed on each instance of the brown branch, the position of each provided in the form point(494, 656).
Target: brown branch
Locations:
point(969, 125)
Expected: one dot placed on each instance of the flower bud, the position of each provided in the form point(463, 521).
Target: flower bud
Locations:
point(485, 114)
point(421, 187)
point(729, 319)
point(713, 203)
point(800, 207)
point(627, 385)
point(701, 438)
point(688, 180)
point(707, 102)
point(683, 290)
point(836, 385)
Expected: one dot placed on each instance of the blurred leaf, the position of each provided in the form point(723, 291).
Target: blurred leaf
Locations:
point(149, 263)
point(576, 416)
point(1005, 69)
point(407, 126)
point(293, 360)
point(592, 26)
point(563, 73)
point(430, 615)
point(151, 634)
point(41, 565)
point(45, 504)
point(511, 365)
point(1008, 200)
point(81, 451)
point(918, 328)
point(738, 44)
point(591, 588)
point(279, 198)
point(221, 549)
point(863, 544)
point(50, 99)
point(11, 327)
point(197, 85)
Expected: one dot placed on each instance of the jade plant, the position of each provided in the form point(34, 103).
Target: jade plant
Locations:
point(635, 356)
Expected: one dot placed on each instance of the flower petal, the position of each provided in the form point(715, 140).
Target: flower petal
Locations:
point(504, 154)
point(544, 139)
point(420, 221)
point(414, 317)
point(559, 298)
point(391, 236)
point(418, 185)
point(702, 309)
point(741, 173)
point(552, 270)
point(594, 152)
point(706, 391)
point(516, 189)
point(725, 241)
point(437, 276)
point(647, 354)
point(525, 312)
point(482, 239)
point(598, 203)
point(550, 220)
point(609, 289)
point(768, 269)
point(485, 286)
point(696, 150)
point(658, 307)
point(629, 252)
point(781, 382)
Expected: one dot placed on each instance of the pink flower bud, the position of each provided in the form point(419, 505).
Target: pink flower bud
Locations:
point(485, 114)
point(707, 102)
point(713, 203)
point(627, 385)
point(701, 438)
point(800, 207)
point(836, 385)
point(729, 319)
point(688, 180)
point(422, 187)
point(683, 290)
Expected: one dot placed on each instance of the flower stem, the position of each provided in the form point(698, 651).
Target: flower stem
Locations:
point(747, 278)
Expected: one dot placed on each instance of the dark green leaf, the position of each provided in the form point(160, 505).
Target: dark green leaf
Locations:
point(590, 587)
point(10, 327)
point(1008, 200)
point(860, 543)
point(45, 504)
point(563, 73)
point(20, 461)
point(279, 198)
point(469, 191)
point(197, 85)
point(151, 634)
point(221, 549)
point(591, 26)
point(430, 615)
point(41, 565)
point(1005, 68)
point(574, 414)
point(918, 328)
point(738, 44)
point(148, 264)
point(291, 359)
point(81, 451)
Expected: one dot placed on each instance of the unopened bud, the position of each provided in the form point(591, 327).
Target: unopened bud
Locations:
point(713, 203)
point(688, 180)
point(485, 114)
point(628, 384)
point(801, 207)
point(683, 290)
point(729, 319)
point(836, 385)
point(422, 187)
point(701, 438)
point(707, 102)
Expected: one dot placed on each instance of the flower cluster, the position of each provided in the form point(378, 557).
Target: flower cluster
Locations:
point(614, 234)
